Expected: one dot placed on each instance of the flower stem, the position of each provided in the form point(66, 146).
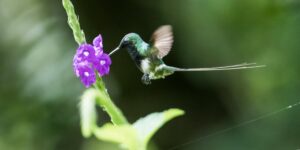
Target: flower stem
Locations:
point(107, 104)
point(73, 22)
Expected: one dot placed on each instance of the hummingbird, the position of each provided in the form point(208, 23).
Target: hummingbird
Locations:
point(148, 57)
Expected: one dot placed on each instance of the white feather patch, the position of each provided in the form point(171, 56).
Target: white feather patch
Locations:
point(145, 65)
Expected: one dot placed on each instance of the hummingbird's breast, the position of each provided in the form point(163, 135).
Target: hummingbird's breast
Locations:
point(146, 65)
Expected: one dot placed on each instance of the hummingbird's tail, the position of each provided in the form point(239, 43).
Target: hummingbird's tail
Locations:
point(232, 67)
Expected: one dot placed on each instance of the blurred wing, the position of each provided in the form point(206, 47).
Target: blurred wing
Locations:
point(162, 39)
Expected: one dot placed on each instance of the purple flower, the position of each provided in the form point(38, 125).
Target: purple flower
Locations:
point(102, 64)
point(85, 52)
point(91, 58)
point(77, 65)
point(87, 75)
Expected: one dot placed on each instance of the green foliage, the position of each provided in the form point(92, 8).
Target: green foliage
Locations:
point(88, 113)
point(136, 136)
point(130, 136)
point(124, 135)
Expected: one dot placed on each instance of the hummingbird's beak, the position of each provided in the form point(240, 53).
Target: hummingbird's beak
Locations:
point(116, 49)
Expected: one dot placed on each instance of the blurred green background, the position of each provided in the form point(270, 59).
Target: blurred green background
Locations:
point(39, 94)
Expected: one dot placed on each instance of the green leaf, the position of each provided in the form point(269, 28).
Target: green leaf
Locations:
point(136, 136)
point(88, 114)
point(125, 135)
point(147, 126)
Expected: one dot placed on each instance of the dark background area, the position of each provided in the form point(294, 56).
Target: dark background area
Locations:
point(39, 94)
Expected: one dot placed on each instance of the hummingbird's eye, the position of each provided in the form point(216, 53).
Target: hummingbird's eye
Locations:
point(126, 39)
point(125, 42)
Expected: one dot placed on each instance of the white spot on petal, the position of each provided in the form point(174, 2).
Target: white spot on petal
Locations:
point(86, 74)
point(102, 62)
point(86, 53)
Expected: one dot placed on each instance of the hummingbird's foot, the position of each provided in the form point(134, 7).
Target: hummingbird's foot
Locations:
point(145, 79)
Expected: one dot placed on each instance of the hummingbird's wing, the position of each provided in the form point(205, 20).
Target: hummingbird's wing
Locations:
point(162, 40)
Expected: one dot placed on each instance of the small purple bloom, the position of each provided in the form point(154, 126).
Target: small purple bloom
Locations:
point(85, 52)
point(91, 58)
point(102, 64)
point(77, 64)
point(87, 75)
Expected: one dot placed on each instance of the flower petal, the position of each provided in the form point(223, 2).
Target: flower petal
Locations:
point(85, 52)
point(97, 42)
point(102, 64)
point(87, 75)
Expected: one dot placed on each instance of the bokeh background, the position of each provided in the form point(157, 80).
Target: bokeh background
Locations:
point(39, 94)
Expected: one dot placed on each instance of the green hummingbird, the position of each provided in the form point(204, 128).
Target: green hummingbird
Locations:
point(148, 56)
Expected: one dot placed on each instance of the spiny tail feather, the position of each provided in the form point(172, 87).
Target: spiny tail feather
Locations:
point(232, 67)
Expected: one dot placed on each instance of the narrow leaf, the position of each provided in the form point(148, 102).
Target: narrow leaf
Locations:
point(88, 114)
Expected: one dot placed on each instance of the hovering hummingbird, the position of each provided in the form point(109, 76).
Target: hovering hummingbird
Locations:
point(148, 57)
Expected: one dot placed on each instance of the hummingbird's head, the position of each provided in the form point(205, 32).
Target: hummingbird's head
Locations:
point(128, 40)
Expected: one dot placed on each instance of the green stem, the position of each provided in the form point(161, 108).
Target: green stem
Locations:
point(107, 104)
point(73, 22)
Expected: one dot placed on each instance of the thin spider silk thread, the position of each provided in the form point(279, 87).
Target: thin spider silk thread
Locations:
point(286, 108)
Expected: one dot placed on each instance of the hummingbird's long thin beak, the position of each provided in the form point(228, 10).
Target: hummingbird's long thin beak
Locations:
point(116, 49)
